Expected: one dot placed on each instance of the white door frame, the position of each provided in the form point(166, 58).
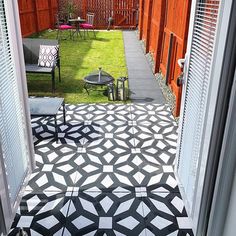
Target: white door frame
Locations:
point(215, 76)
point(14, 31)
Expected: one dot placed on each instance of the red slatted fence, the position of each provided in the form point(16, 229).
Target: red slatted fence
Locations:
point(158, 20)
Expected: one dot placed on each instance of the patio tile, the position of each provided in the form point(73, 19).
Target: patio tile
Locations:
point(107, 172)
point(52, 152)
point(162, 214)
point(77, 113)
point(55, 176)
point(42, 214)
point(110, 113)
point(115, 163)
point(105, 214)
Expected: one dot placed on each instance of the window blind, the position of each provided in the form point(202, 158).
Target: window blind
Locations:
point(12, 135)
point(197, 87)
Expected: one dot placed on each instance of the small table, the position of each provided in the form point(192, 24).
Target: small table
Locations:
point(77, 22)
point(47, 107)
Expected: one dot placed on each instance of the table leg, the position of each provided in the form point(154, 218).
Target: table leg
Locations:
point(85, 87)
point(56, 128)
point(64, 112)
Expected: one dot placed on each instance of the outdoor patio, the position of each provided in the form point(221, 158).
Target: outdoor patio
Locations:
point(111, 173)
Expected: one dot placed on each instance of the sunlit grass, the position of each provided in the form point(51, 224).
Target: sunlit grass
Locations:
point(79, 57)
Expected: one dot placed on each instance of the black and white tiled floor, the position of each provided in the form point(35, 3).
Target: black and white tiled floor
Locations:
point(110, 173)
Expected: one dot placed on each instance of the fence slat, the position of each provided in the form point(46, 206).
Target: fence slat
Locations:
point(38, 15)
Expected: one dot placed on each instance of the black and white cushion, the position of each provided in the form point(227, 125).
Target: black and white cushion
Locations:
point(47, 55)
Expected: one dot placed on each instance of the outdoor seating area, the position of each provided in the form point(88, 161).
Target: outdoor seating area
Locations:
point(79, 57)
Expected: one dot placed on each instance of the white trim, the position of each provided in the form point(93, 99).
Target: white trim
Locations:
point(186, 71)
point(14, 32)
point(216, 67)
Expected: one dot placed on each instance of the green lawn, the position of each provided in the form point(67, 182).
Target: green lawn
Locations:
point(78, 59)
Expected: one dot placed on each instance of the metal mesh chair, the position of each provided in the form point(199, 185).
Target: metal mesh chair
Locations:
point(63, 27)
point(89, 25)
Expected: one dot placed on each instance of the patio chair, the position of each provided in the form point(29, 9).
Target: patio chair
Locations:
point(42, 57)
point(61, 27)
point(89, 25)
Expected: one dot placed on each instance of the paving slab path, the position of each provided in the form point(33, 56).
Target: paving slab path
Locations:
point(142, 83)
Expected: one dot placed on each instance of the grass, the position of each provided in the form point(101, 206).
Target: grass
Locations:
point(79, 57)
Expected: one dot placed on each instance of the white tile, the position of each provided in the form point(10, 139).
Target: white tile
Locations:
point(107, 168)
point(129, 222)
point(105, 223)
point(184, 222)
point(109, 135)
point(65, 168)
point(49, 206)
point(25, 221)
point(125, 168)
point(108, 144)
point(135, 150)
point(160, 222)
point(88, 206)
point(91, 179)
point(110, 112)
point(106, 203)
point(42, 180)
point(161, 145)
point(90, 168)
point(178, 204)
point(164, 157)
point(150, 169)
point(160, 206)
point(48, 222)
point(47, 167)
point(171, 181)
point(81, 150)
point(107, 182)
point(108, 157)
point(158, 136)
point(81, 222)
point(168, 169)
point(88, 122)
point(32, 202)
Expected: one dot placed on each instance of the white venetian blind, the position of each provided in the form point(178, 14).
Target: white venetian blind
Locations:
point(12, 136)
point(197, 87)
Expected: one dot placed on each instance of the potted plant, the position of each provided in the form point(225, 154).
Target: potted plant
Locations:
point(70, 8)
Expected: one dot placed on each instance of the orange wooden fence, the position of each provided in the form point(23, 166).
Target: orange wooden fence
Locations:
point(162, 23)
point(123, 12)
point(37, 15)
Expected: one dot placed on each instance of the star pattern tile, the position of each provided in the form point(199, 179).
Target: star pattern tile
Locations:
point(110, 173)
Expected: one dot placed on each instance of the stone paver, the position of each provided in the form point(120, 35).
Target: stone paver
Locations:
point(142, 84)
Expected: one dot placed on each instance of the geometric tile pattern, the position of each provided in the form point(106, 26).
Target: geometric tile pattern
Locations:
point(110, 173)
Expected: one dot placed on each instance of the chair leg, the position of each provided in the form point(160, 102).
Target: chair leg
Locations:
point(94, 33)
point(59, 70)
point(53, 81)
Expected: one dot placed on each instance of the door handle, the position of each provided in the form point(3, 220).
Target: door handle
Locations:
point(181, 62)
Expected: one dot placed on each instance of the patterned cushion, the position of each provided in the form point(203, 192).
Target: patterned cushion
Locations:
point(47, 55)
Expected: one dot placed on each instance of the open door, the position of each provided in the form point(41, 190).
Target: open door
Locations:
point(16, 148)
point(202, 74)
